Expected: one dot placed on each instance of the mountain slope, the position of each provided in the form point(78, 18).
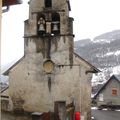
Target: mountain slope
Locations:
point(102, 51)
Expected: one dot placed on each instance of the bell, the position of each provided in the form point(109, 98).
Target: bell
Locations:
point(41, 27)
point(55, 26)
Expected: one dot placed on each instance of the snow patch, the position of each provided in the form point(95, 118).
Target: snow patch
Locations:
point(102, 41)
point(109, 54)
point(116, 53)
point(116, 70)
point(102, 77)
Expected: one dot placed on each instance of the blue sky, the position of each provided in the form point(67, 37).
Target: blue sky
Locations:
point(91, 18)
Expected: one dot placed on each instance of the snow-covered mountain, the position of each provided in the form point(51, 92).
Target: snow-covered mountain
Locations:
point(103, 52)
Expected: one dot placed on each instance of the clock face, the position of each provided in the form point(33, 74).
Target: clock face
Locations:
point(48, 66)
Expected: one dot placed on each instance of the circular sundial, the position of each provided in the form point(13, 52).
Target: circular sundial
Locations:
point(48, 66)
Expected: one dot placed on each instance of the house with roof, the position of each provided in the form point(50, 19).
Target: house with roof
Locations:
point(109, 94)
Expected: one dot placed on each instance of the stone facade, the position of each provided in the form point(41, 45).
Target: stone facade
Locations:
point(31, 88)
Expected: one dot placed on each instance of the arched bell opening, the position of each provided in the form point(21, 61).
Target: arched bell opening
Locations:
point(41, 26)
point(55, 26)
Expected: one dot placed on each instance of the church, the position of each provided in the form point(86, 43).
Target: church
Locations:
point(50, 70)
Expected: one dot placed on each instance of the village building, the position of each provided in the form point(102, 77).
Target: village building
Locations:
point(50, 72)
point(109, 94)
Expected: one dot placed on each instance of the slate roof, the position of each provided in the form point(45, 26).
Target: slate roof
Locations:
point(113, 77)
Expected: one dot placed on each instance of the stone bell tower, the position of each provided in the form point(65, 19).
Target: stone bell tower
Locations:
point(48, 27)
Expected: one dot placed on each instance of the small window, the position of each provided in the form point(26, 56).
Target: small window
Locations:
point(101, 98)
point(48, 3)
point(114, 92)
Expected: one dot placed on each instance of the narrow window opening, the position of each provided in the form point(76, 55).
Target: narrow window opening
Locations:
point(48, 3)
